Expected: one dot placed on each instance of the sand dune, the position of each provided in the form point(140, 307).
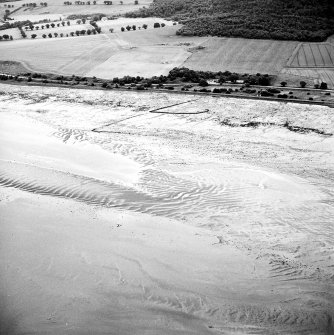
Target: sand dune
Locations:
point(116, 220)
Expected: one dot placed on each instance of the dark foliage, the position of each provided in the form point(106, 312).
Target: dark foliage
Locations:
point(304, 20)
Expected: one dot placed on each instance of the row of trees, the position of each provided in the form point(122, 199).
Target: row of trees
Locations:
point(77, 33)
point(47, 26)
point(186, 75)
point(33, 4)
point(133, 27)
point(6, 37)
point(145, 26)
point(70, 3)
point(108, 2)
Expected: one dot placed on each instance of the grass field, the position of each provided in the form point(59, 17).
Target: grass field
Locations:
point(313, 55)
point(15, 32)
point(123, 22)
point(242, 55)
point(143, 61)
point(142, 52)
point(57, 7)
point(64, 30)
point(75, 55)
point(326, 75)
point(156, 51)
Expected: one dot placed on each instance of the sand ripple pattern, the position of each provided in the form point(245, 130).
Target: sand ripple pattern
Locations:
point(179, 199)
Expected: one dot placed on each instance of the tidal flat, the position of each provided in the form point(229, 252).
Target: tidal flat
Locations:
point(160, 213)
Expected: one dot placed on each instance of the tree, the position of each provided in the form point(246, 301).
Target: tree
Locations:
point(89, 31)
point(145, 26)
point(233, 78)
point(122, 29)
point(68, 23)
point(50, 35)
point(44, 36)
point(302, 84)
point(323, 86)
point(94, 2)
point(72, 33)
point(111, 30)
point(83, 32)
point(53, 25)
point(134, 27)
point(203, 83)
point(163, 24)
point(128, 28)
point(283, 83)
point(83, 20)
point(156, 25)
point(78, 21)
point(47, 26)
point(136, 2)
point(33, 36)
point(61, 35)
point(55, 34)
point(63, 23)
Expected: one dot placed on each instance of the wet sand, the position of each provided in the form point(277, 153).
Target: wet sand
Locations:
point(115, 220)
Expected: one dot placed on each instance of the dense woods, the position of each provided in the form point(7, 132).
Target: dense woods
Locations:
point(303, 20)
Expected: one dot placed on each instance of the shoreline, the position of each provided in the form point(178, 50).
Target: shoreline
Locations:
point(216, 95)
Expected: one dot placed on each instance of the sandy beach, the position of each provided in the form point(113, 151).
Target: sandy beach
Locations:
point(211, 218)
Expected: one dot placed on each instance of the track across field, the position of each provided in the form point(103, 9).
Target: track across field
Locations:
point(312, 55)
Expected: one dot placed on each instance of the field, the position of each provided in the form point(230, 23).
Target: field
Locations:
point(15, 32)
point(73, 55)
point(311, 61)
point(57, 7)
point(326, 75)
point(131, 53)
point(312, 55)
point(59, 30)
point(145, 52)
point(142, 61)
point(123, 22)
point(156, 51)
point(241, 55)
